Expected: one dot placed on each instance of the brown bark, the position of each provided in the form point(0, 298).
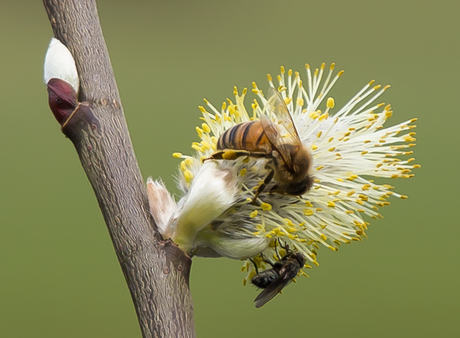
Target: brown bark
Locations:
point(156, 271)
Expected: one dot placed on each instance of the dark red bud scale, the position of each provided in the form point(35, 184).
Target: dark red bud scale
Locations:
point(62, 99)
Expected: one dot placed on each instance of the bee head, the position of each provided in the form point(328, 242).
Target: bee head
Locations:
point(300, 188)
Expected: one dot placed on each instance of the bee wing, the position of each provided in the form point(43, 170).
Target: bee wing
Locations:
point(271, 291)
point(285, 131)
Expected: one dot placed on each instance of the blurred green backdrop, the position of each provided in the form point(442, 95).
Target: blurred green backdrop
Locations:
point(59, 274)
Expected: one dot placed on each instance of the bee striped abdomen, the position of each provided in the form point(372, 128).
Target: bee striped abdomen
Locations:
point(248, 136)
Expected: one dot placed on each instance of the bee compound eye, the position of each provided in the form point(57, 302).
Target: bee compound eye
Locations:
point(301, 187)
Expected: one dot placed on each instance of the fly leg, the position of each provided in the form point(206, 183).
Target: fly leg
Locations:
point(263, 260)
point(266, 261)
point(286, 248)
point(276, 250)
point(255, 266)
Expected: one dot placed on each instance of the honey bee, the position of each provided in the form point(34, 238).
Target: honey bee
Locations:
point(275, 279)
point(288, 162)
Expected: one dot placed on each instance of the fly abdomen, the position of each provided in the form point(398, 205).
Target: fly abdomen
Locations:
point(265, 278)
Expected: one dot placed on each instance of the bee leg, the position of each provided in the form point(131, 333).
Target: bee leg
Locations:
point(232, 154)
point(264, 183)
point(274, 188)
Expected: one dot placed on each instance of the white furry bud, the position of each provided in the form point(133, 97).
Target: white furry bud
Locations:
point(212, 192)
point(162, 205)
point(60, 64)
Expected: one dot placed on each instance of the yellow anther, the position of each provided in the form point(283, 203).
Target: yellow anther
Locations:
point(314, 115)
point(330, 103)
point(188, 176)
point(206, 128)
point(331, 204)
point(243, 172)
point(177, 155)
point(253, 214)
point(197, 148)
point(266, 206)
point(206, 145)
point(308, 212)
point(323, 116)
point(408, 138)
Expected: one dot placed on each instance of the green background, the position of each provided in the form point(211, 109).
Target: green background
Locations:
point(59, 274)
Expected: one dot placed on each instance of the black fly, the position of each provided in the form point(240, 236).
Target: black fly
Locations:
point(275, 279)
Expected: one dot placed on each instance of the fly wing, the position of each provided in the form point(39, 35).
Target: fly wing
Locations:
point(271, 291)
point(284, 131)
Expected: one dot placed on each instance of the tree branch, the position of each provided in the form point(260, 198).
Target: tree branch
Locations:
point(156, 271)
